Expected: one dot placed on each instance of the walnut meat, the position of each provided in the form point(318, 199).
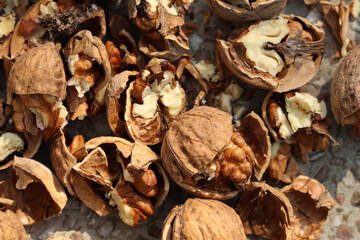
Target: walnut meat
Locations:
point(286, 60)
point(345, 100)
point(213, 220)
point(205, 155)
point(109, 173)
point(246, 11)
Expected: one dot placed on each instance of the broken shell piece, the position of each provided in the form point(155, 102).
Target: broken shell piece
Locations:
point(268, 63)
point(89, 66)
point(112, 173)
point(205, 156)
point(298, 119)
point(11, 227)
point(265, 211)
point(311, 203)
point(246, 11)
point(202, 213)
point(44, 22)
point(36, 192)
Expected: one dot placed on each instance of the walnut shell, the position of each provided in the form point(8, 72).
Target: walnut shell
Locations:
point(246, 11)
point(202, 219)
point(300, 65)
point(10, 227)
point(265, 211)
point(47, 75)
point(311, 203)
point(36, 192)
point(345, 100)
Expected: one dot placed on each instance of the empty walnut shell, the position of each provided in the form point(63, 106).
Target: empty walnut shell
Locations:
point(202, 219)
point(311, 203)
point(265, 211)
point(201, 145)
point(31, 28)
point(301, 48)
point(345, 97)
point(246, 11)
point(36, 192)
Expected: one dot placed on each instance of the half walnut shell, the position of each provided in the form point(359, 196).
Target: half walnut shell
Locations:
point(36, 192)
point(246, 11)
point(202, 219)
point(293, 53)
point(205, 155)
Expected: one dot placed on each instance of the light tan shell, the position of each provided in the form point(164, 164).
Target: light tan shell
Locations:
point(10, 227)
point(202, 219)
point(245, 11)
point(36, 192)
point(345, 88)
point(47, 75)
point(295, 75)
point(311, 202)
point(265, 211)
point(84, 43)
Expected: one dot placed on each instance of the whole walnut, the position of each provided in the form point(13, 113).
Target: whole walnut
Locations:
point(213, 220)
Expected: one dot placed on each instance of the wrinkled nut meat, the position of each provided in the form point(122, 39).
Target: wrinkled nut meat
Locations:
point(10, 14)
point(345, 97)
point(298, 119)
point(36, 192)
point(311, 203)
point(246, 11)
point(286, 54)
point(152, 100)
point(202, 219)
point(89, 67)
point(109, 173)
point(48, 21)
point(205, 155)
point(37, 95)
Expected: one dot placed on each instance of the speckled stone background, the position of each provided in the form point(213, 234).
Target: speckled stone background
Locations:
point(338, 168)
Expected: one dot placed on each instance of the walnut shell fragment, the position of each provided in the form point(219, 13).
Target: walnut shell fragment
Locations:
point(109, 173)
point(47, 21)
point(36, 192)
point(202, 219)
point(37, 96)
point(205, 156)
point(299, 119)
point(10, 227)
point(345, 100)
point(90, 70)
point(246, 11)
point(295, 53)
point(311, 203)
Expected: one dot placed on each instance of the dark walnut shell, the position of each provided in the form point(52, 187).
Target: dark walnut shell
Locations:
point(246, 11)
point(202, 144)
point(302, 50)
point(202, 219)
point(345, 97)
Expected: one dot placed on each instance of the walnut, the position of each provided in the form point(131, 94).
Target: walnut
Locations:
point(206, 156)
point(36, 192)
point(37, 96)
point(223, 221)
point(48, 21)
point(288, 61)
point(344, 90)
point(109, 173)
point(246, 11)
point(10, 227)
point(299, 119)
point(89, 66)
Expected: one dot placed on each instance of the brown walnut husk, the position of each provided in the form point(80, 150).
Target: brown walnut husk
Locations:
point(197, 138)
point(36, 192)
point(311, 203)
point(345, 100)
point(81, 16)
point(202, 219)
point(302, 50)
point(246, 11)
